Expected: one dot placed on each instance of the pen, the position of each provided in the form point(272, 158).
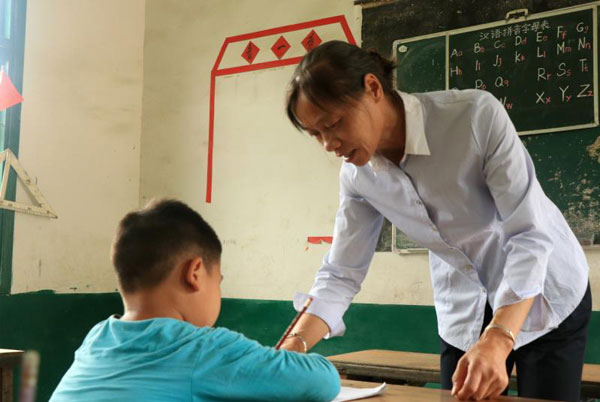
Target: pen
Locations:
point(294, 321)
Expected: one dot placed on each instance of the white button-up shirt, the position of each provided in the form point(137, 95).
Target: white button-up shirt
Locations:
point(466, 189)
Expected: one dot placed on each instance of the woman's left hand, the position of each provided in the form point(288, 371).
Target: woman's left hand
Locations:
point(481, 372)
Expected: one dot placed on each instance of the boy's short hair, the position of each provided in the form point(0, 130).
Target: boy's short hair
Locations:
point(150, 242)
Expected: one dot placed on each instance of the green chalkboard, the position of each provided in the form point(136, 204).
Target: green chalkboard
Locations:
point(566, 147)
point(417, 56)
point(541, 69)
point(403, 244)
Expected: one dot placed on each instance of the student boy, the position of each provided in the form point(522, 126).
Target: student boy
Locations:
point(163, 348)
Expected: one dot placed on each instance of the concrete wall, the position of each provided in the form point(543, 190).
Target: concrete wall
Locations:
point(272, 186)
point(80, 139)
point(98, 148)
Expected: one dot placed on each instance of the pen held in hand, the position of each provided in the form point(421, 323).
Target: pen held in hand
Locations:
point(294, 321)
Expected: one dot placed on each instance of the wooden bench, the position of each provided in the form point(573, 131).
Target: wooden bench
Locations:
point(8, 360)
point(421, 368)
point(405, 393)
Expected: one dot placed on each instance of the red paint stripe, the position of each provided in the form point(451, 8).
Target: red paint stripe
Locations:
point(287, 28)
point(347, 31)
point(258, 66)
point(211, 124)
point(319, 239)
point(220, 56)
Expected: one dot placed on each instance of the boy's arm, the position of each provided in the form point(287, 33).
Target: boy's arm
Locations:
point(232, 367)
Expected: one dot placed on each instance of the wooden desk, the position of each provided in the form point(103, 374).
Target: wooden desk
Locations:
point(8, 360)
point(407, 393)
point(420, 368)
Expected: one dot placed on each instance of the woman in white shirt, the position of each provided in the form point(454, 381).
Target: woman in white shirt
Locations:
point(510, 279)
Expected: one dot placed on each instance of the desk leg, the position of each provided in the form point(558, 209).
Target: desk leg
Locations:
point(6, 384)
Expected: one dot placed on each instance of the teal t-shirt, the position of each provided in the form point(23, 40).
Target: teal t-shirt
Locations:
point(164, 359)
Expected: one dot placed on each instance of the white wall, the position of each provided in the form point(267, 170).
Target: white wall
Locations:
point(82, 130)
point(80, 139)
point(272, 186)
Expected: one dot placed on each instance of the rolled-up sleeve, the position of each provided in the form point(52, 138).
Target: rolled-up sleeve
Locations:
point(519, 199)
point(355, 235)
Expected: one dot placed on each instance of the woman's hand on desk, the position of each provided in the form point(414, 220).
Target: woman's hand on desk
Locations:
point(481, 372)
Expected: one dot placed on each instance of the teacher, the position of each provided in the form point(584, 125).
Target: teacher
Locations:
point(510, 279)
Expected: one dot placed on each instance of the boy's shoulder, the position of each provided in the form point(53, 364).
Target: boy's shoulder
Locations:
point(113, 331)
point(222, 338)
point(113, 334)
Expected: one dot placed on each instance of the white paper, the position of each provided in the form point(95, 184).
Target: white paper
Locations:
point(350, 393)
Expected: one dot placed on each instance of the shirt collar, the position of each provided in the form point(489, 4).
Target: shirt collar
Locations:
point(415, 141)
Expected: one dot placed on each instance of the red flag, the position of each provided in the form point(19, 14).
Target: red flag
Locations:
point(9, 96)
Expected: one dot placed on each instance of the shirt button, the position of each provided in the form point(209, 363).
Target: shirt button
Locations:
point(419, 202)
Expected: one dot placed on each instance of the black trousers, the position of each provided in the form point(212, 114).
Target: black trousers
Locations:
point(549, 367)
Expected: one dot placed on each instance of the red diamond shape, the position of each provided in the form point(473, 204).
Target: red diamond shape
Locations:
point(311, 41)
point(280, 47)
point(250, 52)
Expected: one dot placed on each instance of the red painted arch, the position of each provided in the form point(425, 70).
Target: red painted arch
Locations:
point(217, 72)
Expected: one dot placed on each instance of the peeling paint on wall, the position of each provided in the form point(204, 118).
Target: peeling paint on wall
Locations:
point(594, 149)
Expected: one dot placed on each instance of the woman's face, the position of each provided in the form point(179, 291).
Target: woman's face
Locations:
point(352, 131)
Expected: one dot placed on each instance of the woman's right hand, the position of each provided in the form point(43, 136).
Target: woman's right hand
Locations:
point(311, 328)
point(293, 344)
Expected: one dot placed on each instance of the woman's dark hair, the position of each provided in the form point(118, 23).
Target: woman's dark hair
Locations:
point(150, 242)
point(333, 73)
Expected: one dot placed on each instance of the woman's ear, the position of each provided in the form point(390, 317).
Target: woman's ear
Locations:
point(373, 87)
point(195, 273)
